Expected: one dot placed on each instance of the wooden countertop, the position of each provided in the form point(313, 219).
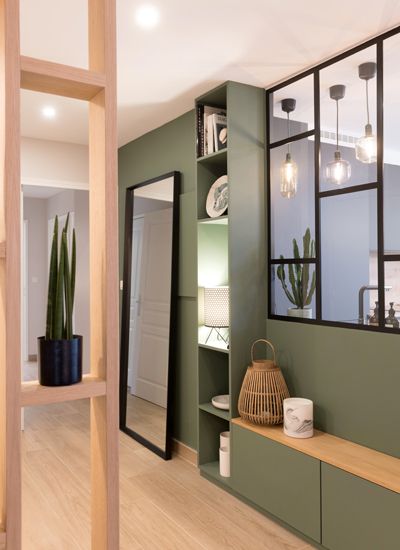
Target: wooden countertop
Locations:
point(374, 466)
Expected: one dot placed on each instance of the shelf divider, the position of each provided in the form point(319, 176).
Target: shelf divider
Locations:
point(32, 393)
point(209, 408)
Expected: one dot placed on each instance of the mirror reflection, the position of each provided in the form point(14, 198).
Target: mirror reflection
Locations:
point(148, 306)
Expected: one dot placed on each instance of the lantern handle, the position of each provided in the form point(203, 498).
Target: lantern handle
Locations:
point(268, 343)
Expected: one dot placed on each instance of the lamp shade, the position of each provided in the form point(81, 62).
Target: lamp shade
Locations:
point(216, 306)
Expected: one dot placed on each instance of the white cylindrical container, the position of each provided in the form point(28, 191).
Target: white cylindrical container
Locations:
point(298, 417)
point(224, 440)
point(224, 462)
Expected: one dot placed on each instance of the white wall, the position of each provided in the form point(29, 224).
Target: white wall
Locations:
point(44, 162)
point(35, 211)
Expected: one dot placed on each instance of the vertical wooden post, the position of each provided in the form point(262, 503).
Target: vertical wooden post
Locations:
point(10, 269)
point(104, 277)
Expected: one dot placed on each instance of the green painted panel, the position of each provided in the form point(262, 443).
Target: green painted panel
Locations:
point(185, 402)
point(280, 480)
point(247, 251)
point(352, 376)
point(187, 246)
point(357, 514)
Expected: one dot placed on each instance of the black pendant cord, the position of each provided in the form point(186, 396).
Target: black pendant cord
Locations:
point(337, 126)
point(366, 93)
point(288, 132)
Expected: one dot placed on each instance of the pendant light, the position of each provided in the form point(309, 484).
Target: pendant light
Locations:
point(338, 170)
point(289, 167)
point(366, 145)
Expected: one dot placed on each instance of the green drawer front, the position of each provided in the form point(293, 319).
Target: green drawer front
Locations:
point(282, 481)
point(357, 514)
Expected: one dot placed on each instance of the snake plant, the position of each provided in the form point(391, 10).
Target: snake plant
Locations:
point(299, 274)
point(61, 290)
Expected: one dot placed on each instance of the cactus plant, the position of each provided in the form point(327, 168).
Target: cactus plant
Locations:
point(61, 289)
point(299, 274)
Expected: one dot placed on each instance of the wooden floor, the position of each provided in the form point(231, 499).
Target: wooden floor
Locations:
point(164, 505)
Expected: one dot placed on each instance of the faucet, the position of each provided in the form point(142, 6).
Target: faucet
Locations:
point(361, 300)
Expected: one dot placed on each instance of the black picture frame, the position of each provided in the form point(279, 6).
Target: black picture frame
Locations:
point(377, 185)
point(125, 313)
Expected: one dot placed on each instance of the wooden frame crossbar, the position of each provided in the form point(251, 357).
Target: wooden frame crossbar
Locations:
point(97, 85)
point(53, 78)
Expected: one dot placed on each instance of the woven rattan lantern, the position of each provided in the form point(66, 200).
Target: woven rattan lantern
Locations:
point(263, 391)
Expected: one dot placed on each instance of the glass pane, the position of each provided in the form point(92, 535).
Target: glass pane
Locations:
point(392, 294)
point(391, 153)
point(290, 217)
point(302, 118)
point(348, 256)
point(293, 300)
point(353, 119)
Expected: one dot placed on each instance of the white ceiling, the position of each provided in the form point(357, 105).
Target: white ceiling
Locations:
point(196, 47)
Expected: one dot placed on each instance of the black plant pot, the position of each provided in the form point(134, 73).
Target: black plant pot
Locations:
point(60, 361)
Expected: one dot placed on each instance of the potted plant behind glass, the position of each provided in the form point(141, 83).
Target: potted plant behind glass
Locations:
point(60, 351)
point(299, 278)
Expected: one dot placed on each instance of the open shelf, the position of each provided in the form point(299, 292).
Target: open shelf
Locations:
point(57, 79)
point(211, 469)
point(360, 461)
point(214, 159)
point(209, 408)
point(221, 220)
point(32, 393)
point(214, 348)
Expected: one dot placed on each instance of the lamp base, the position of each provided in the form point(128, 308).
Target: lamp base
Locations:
point(220, 336)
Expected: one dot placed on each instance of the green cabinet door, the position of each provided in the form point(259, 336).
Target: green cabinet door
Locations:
point(357, 514)
point(280, 480)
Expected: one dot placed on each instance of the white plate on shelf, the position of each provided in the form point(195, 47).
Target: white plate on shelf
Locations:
point(221, 402)
point(217, 198)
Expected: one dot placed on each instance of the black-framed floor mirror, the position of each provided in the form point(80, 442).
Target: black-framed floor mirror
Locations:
point(149, 311)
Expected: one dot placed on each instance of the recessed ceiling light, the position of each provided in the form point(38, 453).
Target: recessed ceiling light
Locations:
point(147, 16)
point(49, 112)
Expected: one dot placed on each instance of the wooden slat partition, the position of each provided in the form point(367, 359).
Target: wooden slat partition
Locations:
point(32, 393)
point(379, 468)
point(104, 277)
point(54, 78)
point(10, 269)
point(98, 86)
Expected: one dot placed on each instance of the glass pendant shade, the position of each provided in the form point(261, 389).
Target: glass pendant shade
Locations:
point(288, 177)
point(338, 171)
point(366, 146)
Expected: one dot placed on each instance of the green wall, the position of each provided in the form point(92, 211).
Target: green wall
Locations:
point(352, 376)
point(172, 147)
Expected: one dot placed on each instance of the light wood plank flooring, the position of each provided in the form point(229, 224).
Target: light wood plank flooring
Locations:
point(164, 505)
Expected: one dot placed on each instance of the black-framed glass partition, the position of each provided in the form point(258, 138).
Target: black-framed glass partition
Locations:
point(149, 311)
point(333, 188)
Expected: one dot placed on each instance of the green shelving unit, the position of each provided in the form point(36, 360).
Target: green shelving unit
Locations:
point(209, 407)
point(231, 252)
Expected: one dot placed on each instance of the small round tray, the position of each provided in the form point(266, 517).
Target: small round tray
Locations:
point(221, 402)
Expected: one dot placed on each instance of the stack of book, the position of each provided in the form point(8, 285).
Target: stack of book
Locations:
point(211, 129)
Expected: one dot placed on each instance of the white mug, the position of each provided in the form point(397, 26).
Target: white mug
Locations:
point(298, 417)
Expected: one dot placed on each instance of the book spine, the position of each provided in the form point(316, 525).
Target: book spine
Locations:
point(200, 130)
